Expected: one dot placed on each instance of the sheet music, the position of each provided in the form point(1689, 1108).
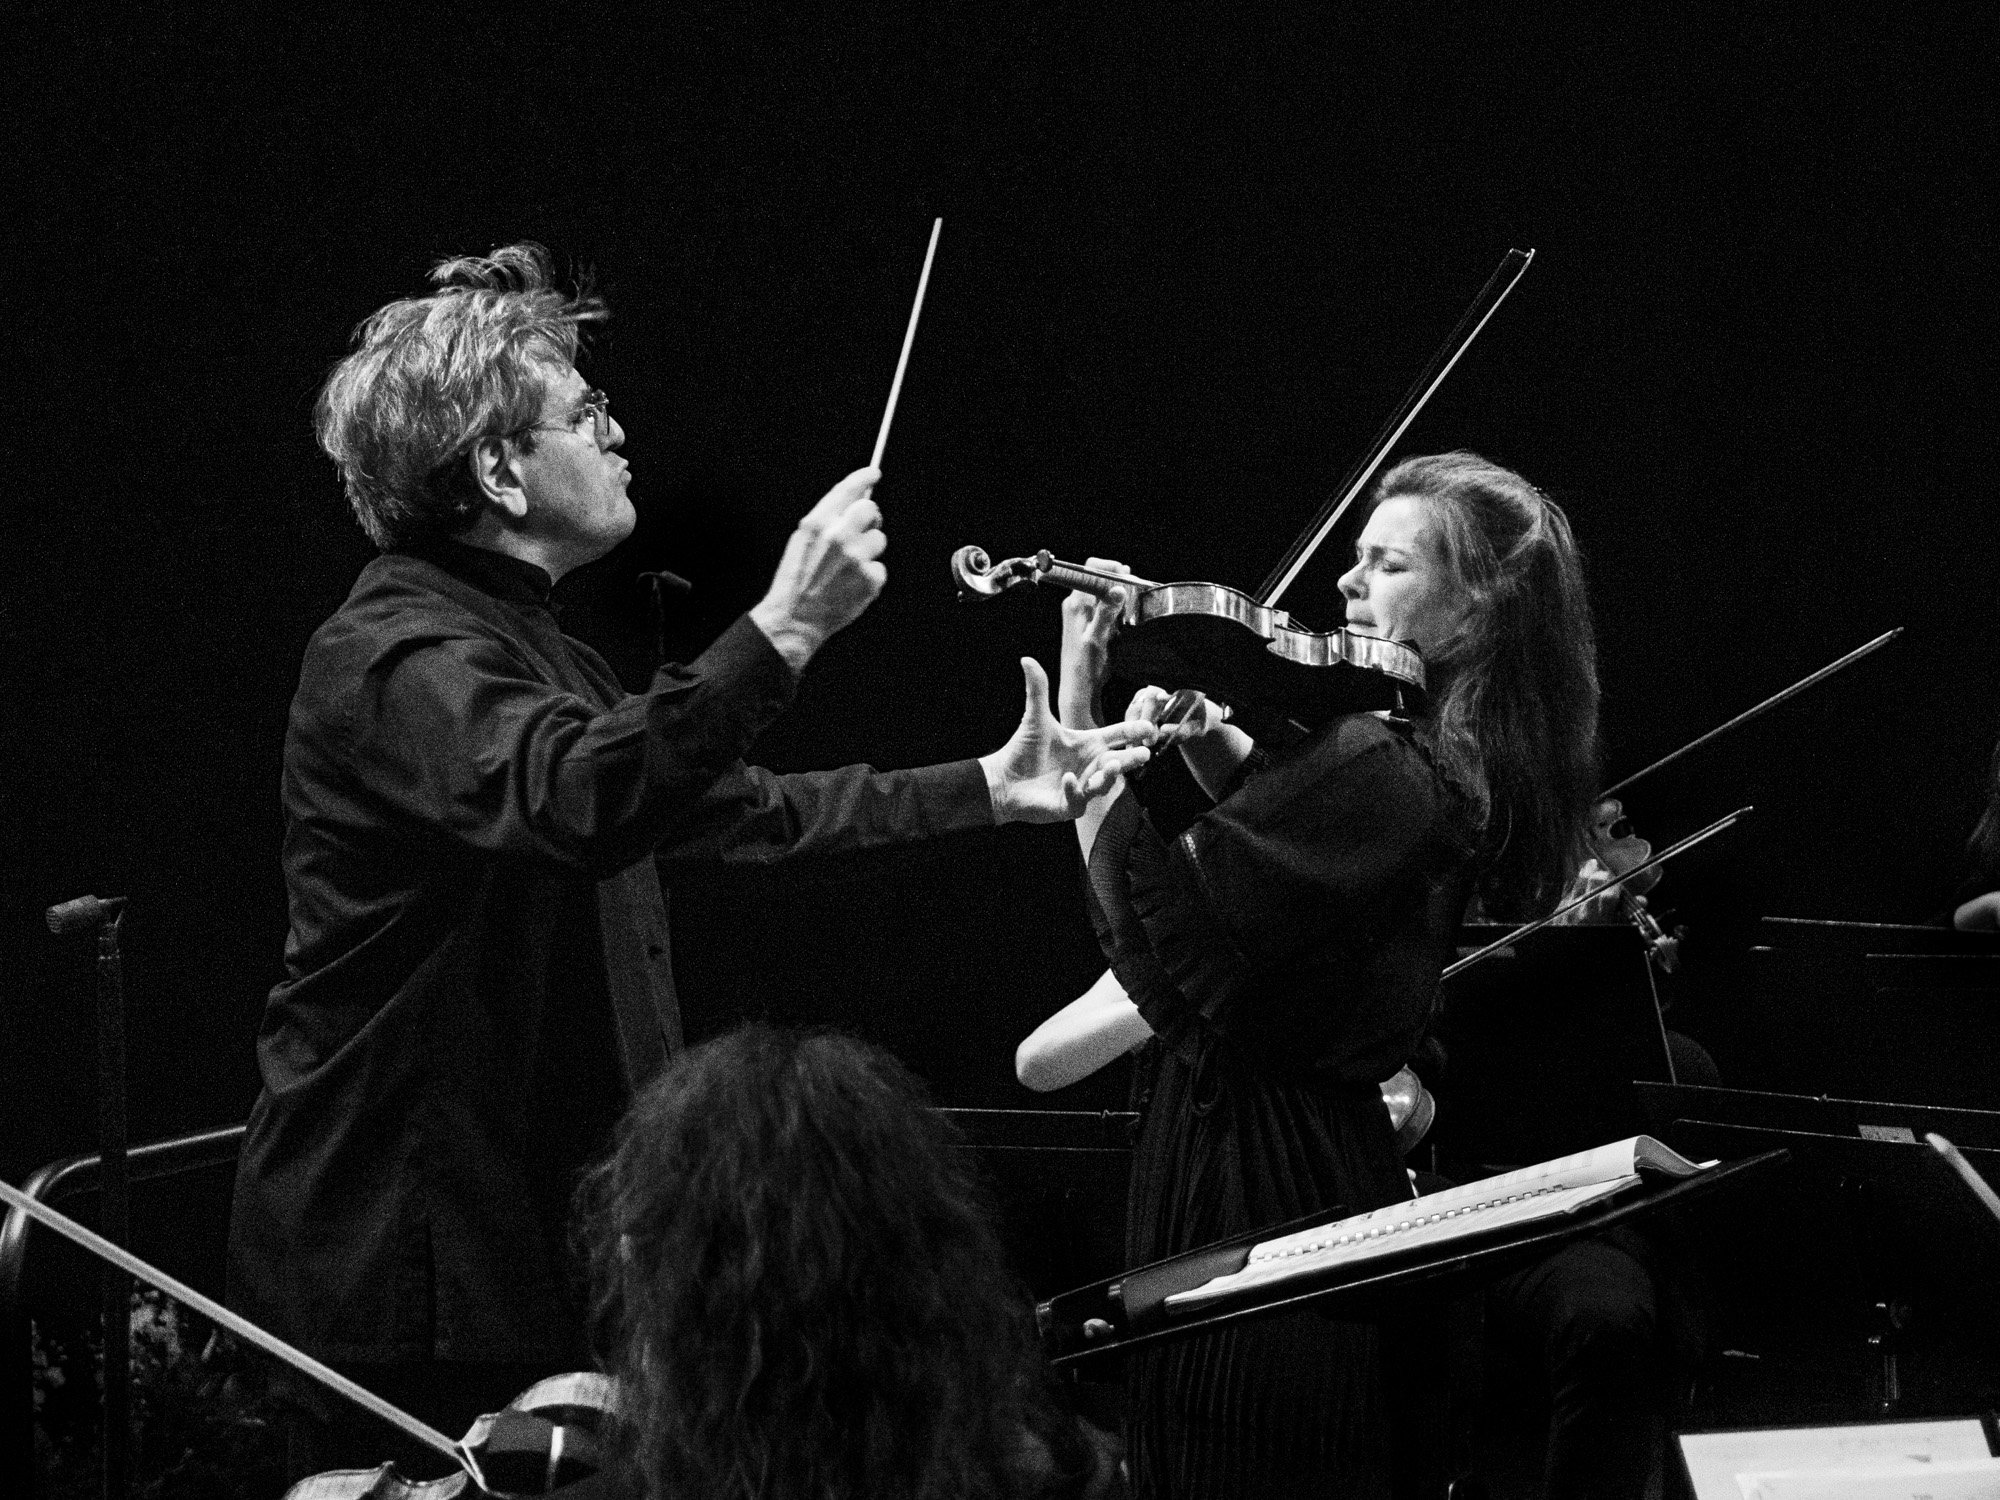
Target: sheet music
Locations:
point(1415, 1225)
point(1972, 1479)
point(1785, 1459)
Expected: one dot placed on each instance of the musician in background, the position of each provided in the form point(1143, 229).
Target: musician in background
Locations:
point(1281, 957)
point(477, 970)
point(1613, 1322)
point(1978, 908)
point(801, 1291)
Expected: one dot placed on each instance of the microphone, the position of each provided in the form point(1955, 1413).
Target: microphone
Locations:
point(83, 914)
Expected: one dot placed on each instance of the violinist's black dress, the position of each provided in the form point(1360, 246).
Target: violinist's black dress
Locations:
point(1285, 949)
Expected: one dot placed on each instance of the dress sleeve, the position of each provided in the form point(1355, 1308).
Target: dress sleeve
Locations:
point(1293, 886)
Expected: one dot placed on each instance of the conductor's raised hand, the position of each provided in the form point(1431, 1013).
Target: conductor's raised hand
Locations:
point(831, 571)
point(1047, 772)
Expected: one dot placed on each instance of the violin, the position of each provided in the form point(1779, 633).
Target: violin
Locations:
point(1620, 850)
point(1241, 649)
point(1220, 641)
point(545, 1442)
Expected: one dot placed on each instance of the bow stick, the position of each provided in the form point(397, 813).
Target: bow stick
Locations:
point(1498, 285)
point(243, 1328)
point(903, 359)
point(1591, 895)
point(1750, 713)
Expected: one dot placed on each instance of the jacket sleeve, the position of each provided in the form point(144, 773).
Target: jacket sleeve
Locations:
point(753, 816)
point(461, 738)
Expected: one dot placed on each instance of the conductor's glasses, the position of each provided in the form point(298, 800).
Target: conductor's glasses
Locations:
point(594, 405)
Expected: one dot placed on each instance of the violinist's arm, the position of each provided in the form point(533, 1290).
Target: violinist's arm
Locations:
point(1980, 914)
point(1088, 625)
point(1216, 753)
point(1098, 1027)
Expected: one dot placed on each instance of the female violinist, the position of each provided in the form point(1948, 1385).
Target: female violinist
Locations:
point(1283, 956)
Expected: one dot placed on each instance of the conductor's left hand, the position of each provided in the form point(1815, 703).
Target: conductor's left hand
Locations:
point(1047, 773)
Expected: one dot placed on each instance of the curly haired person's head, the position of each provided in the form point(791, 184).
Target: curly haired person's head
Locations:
point(800, 1285)
point(430, 376)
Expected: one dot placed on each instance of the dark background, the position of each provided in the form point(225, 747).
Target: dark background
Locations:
point(1186, 271)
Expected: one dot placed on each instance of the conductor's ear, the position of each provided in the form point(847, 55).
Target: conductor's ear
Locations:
point(496, 472)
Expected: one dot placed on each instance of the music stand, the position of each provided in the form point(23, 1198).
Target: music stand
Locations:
point(1351, 1293)
point(1059, 1178)
point(1867, 1185)
point(1976, 1186)
point(1543, 1042)
point(1868, 1010)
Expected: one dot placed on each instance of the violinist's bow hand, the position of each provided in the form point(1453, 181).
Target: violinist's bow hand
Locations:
point(1048, 772)
point(1088, 625)
point(1179, 717)
point(1603, 906)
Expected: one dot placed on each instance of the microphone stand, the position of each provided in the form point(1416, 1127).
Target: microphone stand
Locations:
point(115, 1290)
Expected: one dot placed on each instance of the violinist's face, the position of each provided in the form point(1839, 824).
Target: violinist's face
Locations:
point(1399, 587)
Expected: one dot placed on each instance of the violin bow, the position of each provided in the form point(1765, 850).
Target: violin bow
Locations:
point(243, 1328)
point(1498, 285)
point(903, 359)
point(1615, 883)
point(1765, 707)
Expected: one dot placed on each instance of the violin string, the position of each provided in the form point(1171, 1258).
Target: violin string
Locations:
point(242, 1327)
point(903, 359)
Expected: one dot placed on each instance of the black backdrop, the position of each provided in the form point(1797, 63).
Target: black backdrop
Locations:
point(1186, 271)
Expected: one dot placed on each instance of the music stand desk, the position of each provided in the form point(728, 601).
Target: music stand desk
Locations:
point(1361, 1293)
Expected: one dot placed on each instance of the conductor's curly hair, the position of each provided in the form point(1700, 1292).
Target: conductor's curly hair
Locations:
point(431, 376)
point(798, 1283)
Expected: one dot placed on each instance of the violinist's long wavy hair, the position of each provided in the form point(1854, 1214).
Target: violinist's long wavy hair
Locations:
point(1513, 721)
point(800, 1287)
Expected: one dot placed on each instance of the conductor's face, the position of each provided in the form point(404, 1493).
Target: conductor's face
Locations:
point(574, 479)
point(1399, 588)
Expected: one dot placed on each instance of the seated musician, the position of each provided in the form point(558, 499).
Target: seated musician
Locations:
point(477, 969)
point(1978, 908)
point(1280, 958)
point(801, 1291)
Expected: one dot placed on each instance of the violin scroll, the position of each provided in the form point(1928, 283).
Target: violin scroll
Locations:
point(979, 576)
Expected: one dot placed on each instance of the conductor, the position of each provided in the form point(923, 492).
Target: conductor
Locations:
point(477, 975)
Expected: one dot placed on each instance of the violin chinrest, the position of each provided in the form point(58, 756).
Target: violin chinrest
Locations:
point(525, 1453)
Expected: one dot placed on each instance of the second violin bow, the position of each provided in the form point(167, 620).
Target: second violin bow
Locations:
point(1765, 707)
point(1612, 884)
